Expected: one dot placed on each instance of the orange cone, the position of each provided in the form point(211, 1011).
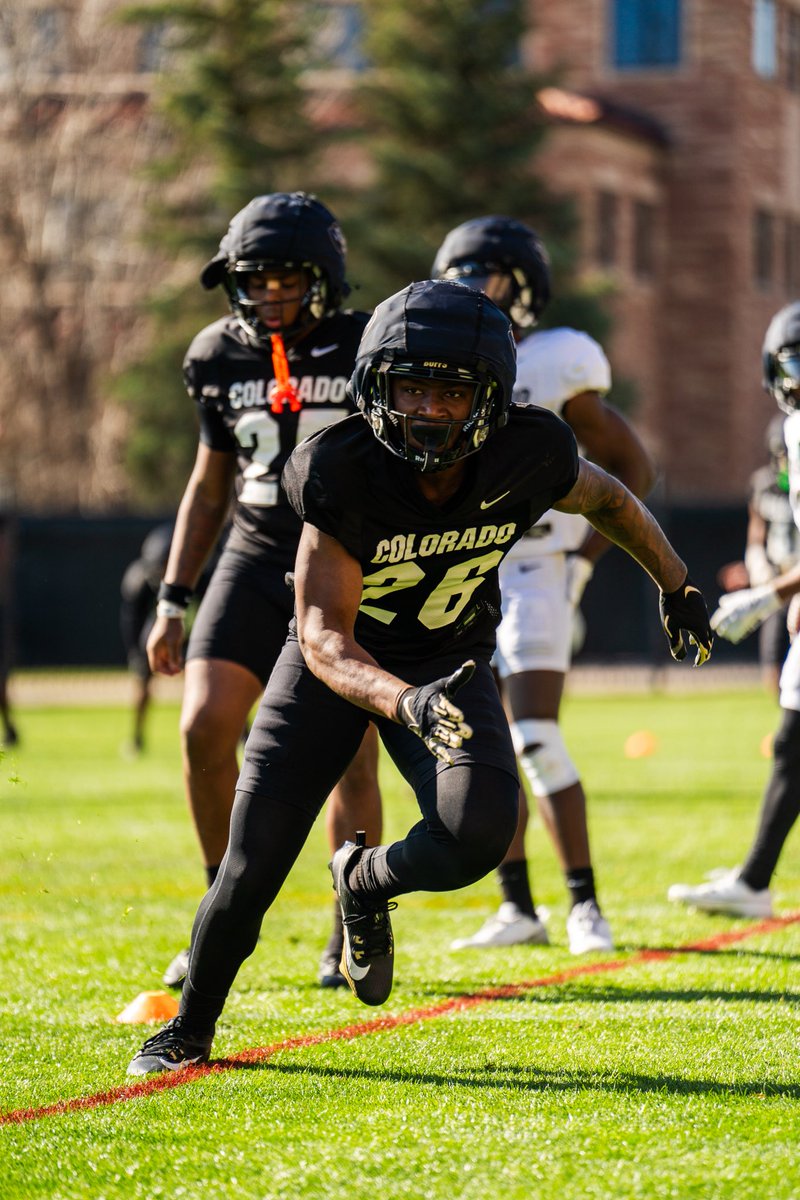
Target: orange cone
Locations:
point(149, 1007)
point(640, 744)
point(766, 745)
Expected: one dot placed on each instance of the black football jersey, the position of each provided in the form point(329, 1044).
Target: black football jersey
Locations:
point(773, 505)
point(430, 573)
point(231, 380)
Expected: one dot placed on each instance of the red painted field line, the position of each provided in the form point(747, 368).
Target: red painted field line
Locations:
point(161, 1083)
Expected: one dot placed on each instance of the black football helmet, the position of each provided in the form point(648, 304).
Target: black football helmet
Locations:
point(441, 330)
point(284, 230)
point(486, 246)
point(780, 357)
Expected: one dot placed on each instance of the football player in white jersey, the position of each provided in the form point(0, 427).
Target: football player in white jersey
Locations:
point(544, 576)
point(745, 891)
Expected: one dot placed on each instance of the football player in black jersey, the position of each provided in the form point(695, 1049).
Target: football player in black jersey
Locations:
point(282, 265)
point(773, 545)
point(137, 613)
point(8, 729)
point(397, 601)
point(745, 891)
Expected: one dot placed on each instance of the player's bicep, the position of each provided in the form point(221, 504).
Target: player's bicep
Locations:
point(593, 489)
point(328, 584)
point(213, 473)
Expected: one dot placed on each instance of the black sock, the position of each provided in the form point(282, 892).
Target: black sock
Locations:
point(515, 885)
point(580, 885)
point(336, 940)
point(211, 874)
point(780, 806)
point(198, 1010)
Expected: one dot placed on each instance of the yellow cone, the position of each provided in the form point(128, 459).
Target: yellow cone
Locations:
point(640, 744)
point(149, 1007)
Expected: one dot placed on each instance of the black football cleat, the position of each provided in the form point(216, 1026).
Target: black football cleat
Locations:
point(367, 961)
point(173, 1048)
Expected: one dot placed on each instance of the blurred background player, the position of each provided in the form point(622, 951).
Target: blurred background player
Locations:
point(745, 891)
point(544, 576)
point(137, 614)
point(773, 546)
point(282, 266)
point(10, 736)
point(139, 591)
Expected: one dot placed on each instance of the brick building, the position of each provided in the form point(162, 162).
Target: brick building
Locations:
point(676, 128)
point(678, 133)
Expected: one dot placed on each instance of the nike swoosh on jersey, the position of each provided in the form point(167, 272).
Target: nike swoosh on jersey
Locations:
point(318, 351)
point(489, 503)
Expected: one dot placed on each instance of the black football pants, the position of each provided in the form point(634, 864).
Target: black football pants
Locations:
point(302, 740)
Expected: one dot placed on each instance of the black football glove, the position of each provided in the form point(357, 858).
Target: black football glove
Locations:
point(685, 609)
point(429, 712)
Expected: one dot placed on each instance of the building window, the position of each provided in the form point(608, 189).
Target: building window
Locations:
point(791, 255)
point(607, 220)
point(338, 39)
point(765, 38)
point(47, 47)
point(644, 228)
point(645, 33)
point(151, 51)
point(763, 248)
point(793, 50)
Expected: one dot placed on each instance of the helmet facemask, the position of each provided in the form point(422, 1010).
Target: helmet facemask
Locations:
point(431, 443)
point(508, 286)
point(314, 302)
point(785, 373)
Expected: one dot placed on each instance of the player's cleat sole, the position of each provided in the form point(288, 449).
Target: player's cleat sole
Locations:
point(725, 894)
point(587, 929)
point(173, 1048)
point(175, 973)
point(330, 975)
point(367, 962)
point(509, 926)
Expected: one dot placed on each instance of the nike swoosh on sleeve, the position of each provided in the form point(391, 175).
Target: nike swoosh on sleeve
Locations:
point(318, 351)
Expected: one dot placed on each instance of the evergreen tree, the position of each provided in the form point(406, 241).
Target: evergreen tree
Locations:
point(450, 119)
point(233, 108)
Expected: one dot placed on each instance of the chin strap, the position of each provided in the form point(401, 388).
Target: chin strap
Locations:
point(284, 391)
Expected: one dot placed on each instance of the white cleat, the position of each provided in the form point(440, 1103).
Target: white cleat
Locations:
point(509, 926)
point(724, 894)
point(587, 929)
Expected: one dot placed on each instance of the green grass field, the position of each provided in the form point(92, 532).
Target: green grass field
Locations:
point(671, 1077)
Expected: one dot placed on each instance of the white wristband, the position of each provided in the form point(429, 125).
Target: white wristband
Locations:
point(169, 609)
